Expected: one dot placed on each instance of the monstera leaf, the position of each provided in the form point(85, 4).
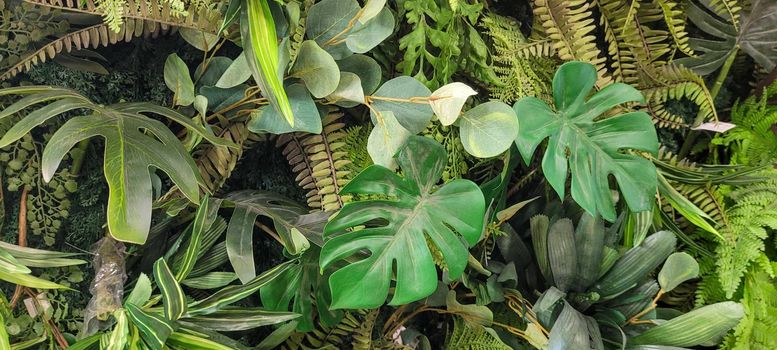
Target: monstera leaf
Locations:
point(287, 217)
point(398, 227)
point(305, 288)
point(755, 36)
point(590, 147)
point(134, 145)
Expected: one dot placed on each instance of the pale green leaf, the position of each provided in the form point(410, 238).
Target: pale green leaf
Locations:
point(178, 80)
point(385, 140)
point(317, 69)
point(488, 129)
point(448, 100)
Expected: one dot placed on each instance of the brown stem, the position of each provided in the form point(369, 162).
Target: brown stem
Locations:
point(17, 293)
point(636, 320)
point(268, 231)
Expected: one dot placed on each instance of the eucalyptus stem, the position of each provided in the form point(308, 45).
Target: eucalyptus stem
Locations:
point(722, 75)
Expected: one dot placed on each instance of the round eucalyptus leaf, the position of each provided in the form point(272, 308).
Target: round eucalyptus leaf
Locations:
point(215, 68)
point(306, 115)
point(371, 9)
point(349, 92)
point(317, 69)
point(177, 78)
point(678, 268)
point(366, 68)
point(327, 19)
point(488, 129)
point(220, 98)
point(201, 104)
point(364, 37)
point(385, 140)
point(412, 116)
point(237, 73)
point(200, 40)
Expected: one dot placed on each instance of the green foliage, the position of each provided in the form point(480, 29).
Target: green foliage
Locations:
point(471, 337)
point(22, 25)
point(593, 148)
point(752, 141)
point(443, 42)
point(417, 210)
point(760, 301)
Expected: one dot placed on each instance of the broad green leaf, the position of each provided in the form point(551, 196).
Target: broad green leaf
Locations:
point(413, 116)
point(316, 68)
point(178, 80)
point(209, 72)
point(488, 129)
point(349, 92)
point(371, 9)
point(398, 227)
point(141, 293)
point(231, 294)
point(154, 329)
point(201, 105)
point(678, 268)
point(591, 149)
point(589, 243)
point(569, 331)
point(366, 68)
point(240, 319)
point(237, 72)
point(199, 39)
point(755, 37)
point(305, 288)
point(211, 280)
point(635, 265)
point(366, 36)
point(562, 254)
point(257, 30)
point(308, 119)
point(172, 295)
point(539, 238)
point(448, 100)
point(705, 324)
point(133, 144)
point(249, 204)
point(385, 139)
point(231, 15)
point(328, 24)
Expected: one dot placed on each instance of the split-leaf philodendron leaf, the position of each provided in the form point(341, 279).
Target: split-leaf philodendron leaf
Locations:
point(134, 144)
point(416, 209)
point(591, 149)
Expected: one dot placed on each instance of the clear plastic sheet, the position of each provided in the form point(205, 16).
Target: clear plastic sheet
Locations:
point(107, 288)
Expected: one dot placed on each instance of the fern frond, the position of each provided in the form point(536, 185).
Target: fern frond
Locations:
point(756, 330)
point(467, 336)
point(319, 162)
point(728, 9)
point(753, 141)
point(152, 11)
point(216, 163)
point(674, 16)
point(323, 337)
point(362, 337)
point(88, 38)
point(298, 35)
point(665, 119)
point(673, 82)
point(356, 148)
point(570, 26)
point(524, 68)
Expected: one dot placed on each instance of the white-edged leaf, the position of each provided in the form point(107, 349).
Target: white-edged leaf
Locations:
point(448, 100)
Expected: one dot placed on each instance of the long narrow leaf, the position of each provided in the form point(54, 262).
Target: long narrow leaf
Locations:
point(172, 294)
point(193, 342)
point(205, 216)
point(239, 319)
point(231, 294)
point(154, 329)
point(260, 42)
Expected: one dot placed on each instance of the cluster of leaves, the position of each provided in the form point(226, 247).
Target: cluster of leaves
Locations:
point(394, 216)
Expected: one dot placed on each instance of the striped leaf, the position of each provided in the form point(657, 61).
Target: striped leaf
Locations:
point(172, 295)
point(239, 319)
point(117, 339)
point(211, 280)
point(86, 343)
point(206, 215)
point(193, 342)
point(29, 281)
point(231, 294)
point(154, 329)
point(9, 264)
point(257, 29)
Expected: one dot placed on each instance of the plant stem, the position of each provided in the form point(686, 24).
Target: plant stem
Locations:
point(722, 75)
point(78, 155)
